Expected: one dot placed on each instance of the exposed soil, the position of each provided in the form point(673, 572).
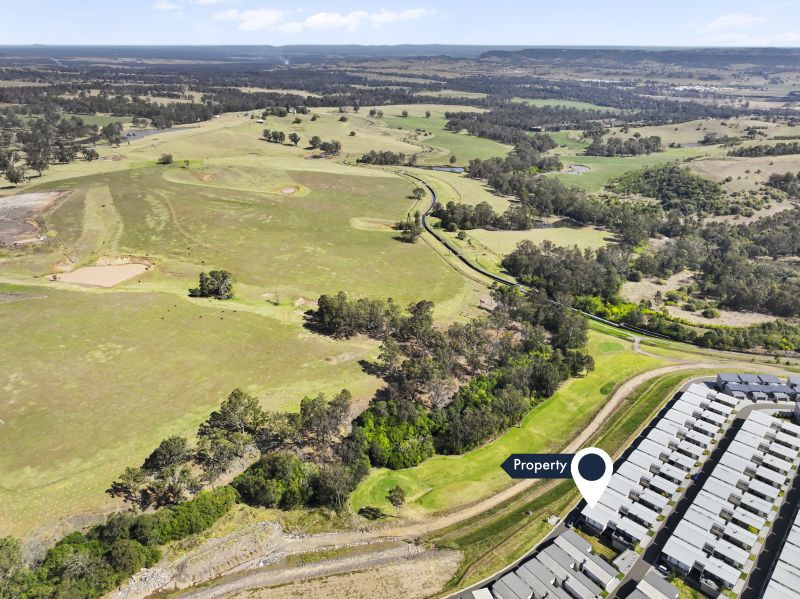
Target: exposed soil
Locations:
point(107, 272)
point(19, 216)
point(288, 190)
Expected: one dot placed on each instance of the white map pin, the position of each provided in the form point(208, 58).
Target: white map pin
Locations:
point(591, 470)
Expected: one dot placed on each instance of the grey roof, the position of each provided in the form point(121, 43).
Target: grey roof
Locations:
point(517, 586)
point(661, 585)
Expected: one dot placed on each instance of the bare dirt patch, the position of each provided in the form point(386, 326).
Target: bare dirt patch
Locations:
point(726, 317)
point(647, 288)
point(289, 190)
point(7, 298)
point(412, 578)
point(106, 272)
point(19, 216)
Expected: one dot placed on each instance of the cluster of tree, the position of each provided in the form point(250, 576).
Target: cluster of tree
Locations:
point(386, 157)
point(787, 182)
point(633, 146)
point(509, 360)
point(676, 188)
point(217, 284)
point(482, 216)
point(43, 141)
point(568, 271)
point(332, 147)
point(411, 228)
point(711, 139)
point(737, 264)
point(510, 122)
point(87, 566)
point(546, 196)
point(779, 149)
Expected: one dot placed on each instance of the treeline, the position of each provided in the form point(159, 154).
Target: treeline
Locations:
point(509, 123)
point(779, 149)
point(482, 216)
point(387, 157)
point(85, 566)
point(787, 182)
point(510, 360)
point(633, 146)
point(676, 188)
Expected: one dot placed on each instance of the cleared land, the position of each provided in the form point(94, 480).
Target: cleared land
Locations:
point(97, 377)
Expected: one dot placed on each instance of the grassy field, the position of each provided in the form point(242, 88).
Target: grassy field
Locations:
point(568, 103)
point(446, 482)
point(443, 143)
point(603, 169)
point(94, 378)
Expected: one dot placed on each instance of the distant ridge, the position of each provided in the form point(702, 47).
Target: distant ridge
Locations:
point(689, 57)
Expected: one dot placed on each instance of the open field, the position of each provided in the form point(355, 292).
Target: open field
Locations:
point(447, 482)
point(443, 143)
point(567, 103)
point(602, 169)
point(96, 377)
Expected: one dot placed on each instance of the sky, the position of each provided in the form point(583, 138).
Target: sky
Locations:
point(496, 22)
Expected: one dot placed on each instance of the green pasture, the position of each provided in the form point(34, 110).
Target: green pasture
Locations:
point(94, 378)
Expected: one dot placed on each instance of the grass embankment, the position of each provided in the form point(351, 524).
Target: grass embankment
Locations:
point(493, 540)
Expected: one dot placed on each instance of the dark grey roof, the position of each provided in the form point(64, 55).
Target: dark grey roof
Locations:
point(661, 585)
point(728, 377)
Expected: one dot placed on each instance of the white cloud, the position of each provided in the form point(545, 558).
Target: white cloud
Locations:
point(290, 27)
point(274, 19)
point(211, 2)
point(259, 19)
point(226, 15)
point(735, 21)
point(387, 17)
point(166, 5)
point(334, 20)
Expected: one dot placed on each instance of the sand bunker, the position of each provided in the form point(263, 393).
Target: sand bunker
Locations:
point(577, 169)
point(101, 276)
point(289, 190)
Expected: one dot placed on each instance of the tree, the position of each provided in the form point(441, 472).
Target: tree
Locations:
point(427, 114)
point(165, 159)
point(90, 154)
point(129, 487)
point(217, 284)
point(404, 114)
point(397, 497)
point(171, 452)
point(15, 175)
point(294, 138)
point(453, 159)
point(10, 564)
point(315, 141)
point(418, 193)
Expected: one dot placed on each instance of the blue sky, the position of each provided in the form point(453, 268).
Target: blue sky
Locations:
point(531, 22)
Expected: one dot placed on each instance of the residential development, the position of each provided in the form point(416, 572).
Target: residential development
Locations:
point(695, 497)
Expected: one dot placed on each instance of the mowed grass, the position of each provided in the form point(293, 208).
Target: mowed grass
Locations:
point(446, 482)
point(93, 379)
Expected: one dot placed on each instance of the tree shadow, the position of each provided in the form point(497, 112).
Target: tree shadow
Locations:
point(371, 368)
point(372, 513)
